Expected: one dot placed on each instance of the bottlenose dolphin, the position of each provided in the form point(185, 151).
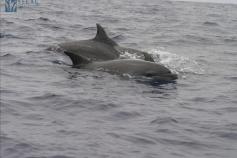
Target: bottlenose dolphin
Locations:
point(133, 67)
point(100, 48)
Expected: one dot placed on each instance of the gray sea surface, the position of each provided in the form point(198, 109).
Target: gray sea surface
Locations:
point(51, 110)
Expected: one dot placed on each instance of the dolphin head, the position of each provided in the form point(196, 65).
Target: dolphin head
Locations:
point(159, 72)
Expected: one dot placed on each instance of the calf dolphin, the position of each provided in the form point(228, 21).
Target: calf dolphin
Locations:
point(133, 67)
point(100, 48)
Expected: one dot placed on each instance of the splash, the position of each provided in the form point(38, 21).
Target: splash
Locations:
point(177, 64)
point(127, 55)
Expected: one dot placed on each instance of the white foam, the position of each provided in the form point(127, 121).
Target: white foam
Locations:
point(126, 55)
point(176, 63)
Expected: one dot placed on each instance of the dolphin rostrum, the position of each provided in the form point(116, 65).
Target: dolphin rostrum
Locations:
point(100, 48)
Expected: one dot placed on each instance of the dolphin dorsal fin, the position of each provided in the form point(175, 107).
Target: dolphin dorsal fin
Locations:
point(101, 36)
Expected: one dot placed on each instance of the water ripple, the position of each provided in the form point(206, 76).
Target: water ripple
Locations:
point(51, 110)
point(209, 23)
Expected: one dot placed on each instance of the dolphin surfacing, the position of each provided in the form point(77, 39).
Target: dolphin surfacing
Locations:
point(100, 48)
point(102, 53)
point(133, 68)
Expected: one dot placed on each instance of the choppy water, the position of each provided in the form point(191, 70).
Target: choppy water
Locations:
point(50, 110)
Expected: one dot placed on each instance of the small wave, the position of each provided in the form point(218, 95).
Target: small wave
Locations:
point(187, 143)
point(34, 116)
point(76, 26)
point(110, 20)
point(7, 108)
point(214, 15)
point(139, 140)
point(23, 62)
point(229, 109)
point(123, 29)
point(198, 39)
point(56, 27)
point(165, 120)
point(232, 53)
point(4, 21)
point(124, 115)
point(199, 99)
point(231, 39)
point(231, 78)
point(228, 135)
point(46, 96)
point(43, 19)
point(3, 35)
point(105, 107)
point(20, 62)
point(15, 148)
point(8, 55)
point(134, 139)
point(51, 26)
point(118, 38)
point(56, 156)
point(69, 105)
point(209, 23)
point(89, 28)
point(40, 18)
point(166, 130)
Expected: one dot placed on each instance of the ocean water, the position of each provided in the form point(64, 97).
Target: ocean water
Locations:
point(51, 110)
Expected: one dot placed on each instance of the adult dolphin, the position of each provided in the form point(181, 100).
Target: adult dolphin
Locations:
point(133, 67)
point(100, 48)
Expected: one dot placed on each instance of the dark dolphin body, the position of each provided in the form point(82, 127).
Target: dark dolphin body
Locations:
point(134, 68)
point(102, 53)
point(100, 48)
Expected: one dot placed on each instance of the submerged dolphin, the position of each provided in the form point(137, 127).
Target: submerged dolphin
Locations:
point(134, 68)
point(100, 48)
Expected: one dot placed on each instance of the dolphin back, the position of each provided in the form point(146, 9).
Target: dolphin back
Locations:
point(134, 68)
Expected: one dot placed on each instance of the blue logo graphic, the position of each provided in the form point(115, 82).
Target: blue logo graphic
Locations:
point(12, 5)
point(27, 2)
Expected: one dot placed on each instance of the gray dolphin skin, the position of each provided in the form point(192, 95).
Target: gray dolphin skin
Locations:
point(100, 48)
point(133, 68)
point(102, 53)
